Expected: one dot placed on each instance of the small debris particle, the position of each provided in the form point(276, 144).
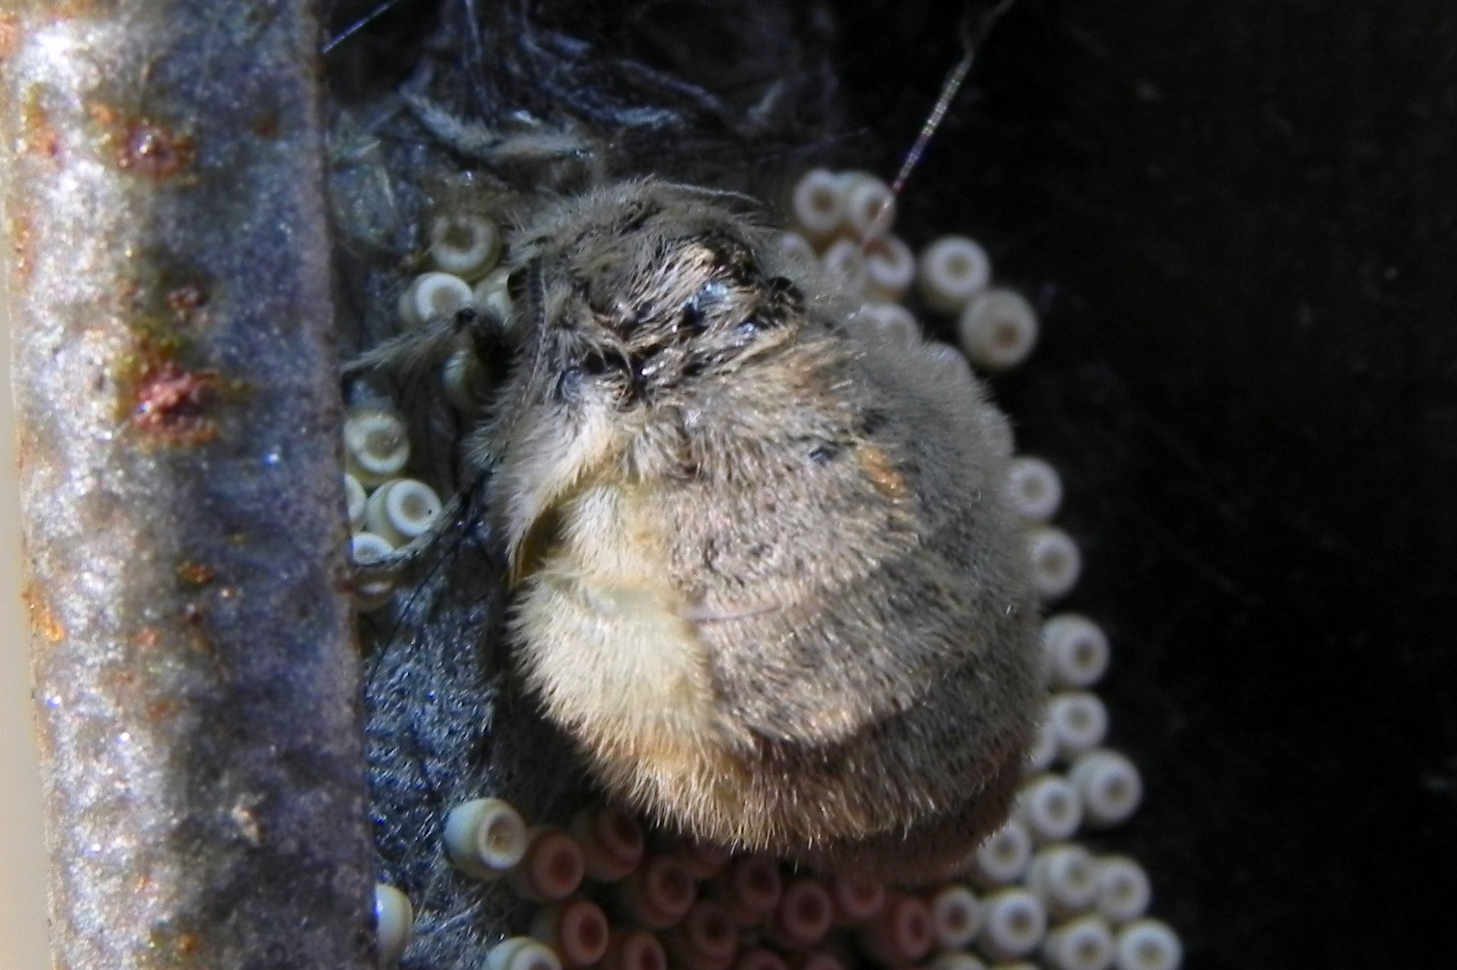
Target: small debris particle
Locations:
point(154, 150)
point(196, 574)
point(187, 300)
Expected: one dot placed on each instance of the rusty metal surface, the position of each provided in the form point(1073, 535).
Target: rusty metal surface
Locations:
point(169, 290)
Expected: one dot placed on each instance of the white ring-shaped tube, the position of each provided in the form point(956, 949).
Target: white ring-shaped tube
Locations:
point(634, 949)
point(432, 295)
point(1015, 924)
point(1080, 719)
point(576, 929)
point(804, 915)
point(1065, 878)
point(460, 380)
point(552, 868)
point(856, 902)
point(997, 329)
point(900, 933)
point(492, 296)
point(612, 841)
point(750, 888)
point(376, 444)
point(890, 268)
point(1056, 561)
point(354, 499)
point(1082, 944)
point(1004, 856)
point(464, 244)
point(485, 837)
point(1033, 488)
point(1124, 889)
point(660, 892)
point(1043, 753)
point(1109, 786)
point(402, 510)
point(893, 323)
point(1050, 808)
point(950, 271)
point(1148, 944)
point(707, 935)
point(844, 263)
point(869, 205)
point(394, 920)
point(797, 251)
point(1076, 649)
point(522, 953)
point(955, 960)
point(956, 917)
point(366, 547)
point(817, 205)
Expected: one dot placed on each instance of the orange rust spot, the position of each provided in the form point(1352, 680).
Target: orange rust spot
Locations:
point(20, 240)
point(153, 149)
point(123, 679)
point(171, 403)
point(71, 9)
point(163, 709)
point(9, 34)
point(147, 638)
point(37, 133)
point(101, 114)
point(42, 618)
point(196, 574)
point(881, 471)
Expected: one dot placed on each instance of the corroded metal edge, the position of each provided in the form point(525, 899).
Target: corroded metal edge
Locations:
point(185, 538)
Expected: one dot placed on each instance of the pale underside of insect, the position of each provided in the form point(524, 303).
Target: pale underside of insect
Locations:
point(763, 573)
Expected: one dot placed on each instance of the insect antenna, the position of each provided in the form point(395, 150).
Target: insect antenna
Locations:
point(358, 25)
point(973, 36)
point(464, 510)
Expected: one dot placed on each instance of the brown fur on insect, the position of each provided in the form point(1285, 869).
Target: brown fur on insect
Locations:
point(763, 572)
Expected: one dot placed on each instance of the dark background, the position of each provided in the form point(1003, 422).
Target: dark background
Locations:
point(1239, 220)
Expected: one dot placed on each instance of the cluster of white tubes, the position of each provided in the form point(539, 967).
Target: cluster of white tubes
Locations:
point(387, 509)
point(615, 897)
point(844, 221)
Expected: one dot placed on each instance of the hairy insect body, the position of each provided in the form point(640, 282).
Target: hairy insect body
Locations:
point(764, 573)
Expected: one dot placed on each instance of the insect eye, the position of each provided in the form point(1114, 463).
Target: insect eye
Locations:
point(693, 318)
point(594, 364)
point(747, 329)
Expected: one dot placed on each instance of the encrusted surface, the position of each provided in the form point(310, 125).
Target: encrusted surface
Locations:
point(185, 531)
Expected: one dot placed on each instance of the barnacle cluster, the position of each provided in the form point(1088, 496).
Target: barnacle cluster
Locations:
point(614, 895)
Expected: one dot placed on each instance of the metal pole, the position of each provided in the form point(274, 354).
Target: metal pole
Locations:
point(175, 379)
